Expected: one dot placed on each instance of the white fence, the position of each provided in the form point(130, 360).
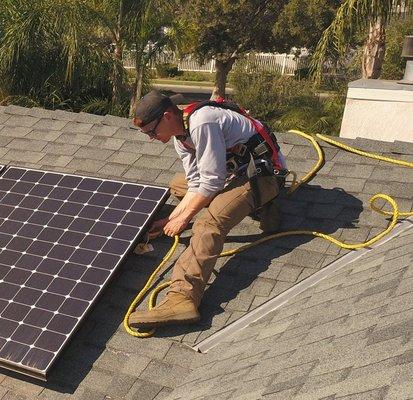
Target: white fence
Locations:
point(285, 64)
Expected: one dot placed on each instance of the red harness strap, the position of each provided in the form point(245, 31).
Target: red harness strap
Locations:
point(259, 128)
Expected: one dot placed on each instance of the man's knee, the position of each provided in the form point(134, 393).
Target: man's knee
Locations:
point(209, 223)
point(178, 185)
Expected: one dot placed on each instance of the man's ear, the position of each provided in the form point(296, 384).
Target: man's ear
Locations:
point(168, 115)
point(137, 122)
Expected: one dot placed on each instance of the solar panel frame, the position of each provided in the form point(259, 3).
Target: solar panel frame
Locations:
point(62, 318)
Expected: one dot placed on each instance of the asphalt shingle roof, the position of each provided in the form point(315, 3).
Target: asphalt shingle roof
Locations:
point(102, 361)
point(348, 337)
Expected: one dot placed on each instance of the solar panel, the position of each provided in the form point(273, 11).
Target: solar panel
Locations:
point(61, 239)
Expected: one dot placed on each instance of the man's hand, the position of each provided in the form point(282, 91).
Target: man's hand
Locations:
point(156, 228)
point(176, 225)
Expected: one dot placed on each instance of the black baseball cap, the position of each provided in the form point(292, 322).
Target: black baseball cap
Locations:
point(153, 105)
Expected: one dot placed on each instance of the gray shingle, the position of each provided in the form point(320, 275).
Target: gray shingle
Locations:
point(403, 329)
point(142, 174)
point(120, 385)
point(164, 178)
point(21, 387)
point(21, 120)
point(131, 134)
point(85, 164)
point(143, 148)
point(93, 154)
point(372, 146)
point(4, 118)
point(375, 394)
point(289, 273)
point(103, 130)
point(38, 134)
point(113, 169)
point(156, 162)
point(88, 118)
point(402, 147)
point(386, 174)
point(16, 110)
point(295, 384)
point(15, 131)
point(319, 381)
point(50, 124)
point(164, 374)
point(77, 127)
point(64, 115)
point(143, 390)
point(329, 154)
point(354, 185)
point(123, 157)
point(116, 121)
point(97, 380)
point(301, 152)
point(106, 143)
point(353, 171)
point(74, 138)
point(61, 149)
point(350, 158)
point(285, 148)
point(27, 144)
point(154, 348)
point(40, 113)
point(23, 156)
point(169, 151)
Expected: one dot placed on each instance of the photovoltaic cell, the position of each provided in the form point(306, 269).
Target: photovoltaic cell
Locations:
point(61, 239)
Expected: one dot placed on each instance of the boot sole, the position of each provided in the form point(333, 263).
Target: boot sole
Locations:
point(185, 319)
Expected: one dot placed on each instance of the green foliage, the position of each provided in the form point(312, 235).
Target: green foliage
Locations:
point(394, 65)
point(59, 54)
point(352, 17)
point(287, 103)
point(220, 28)
point(49, 54)
point(195, 76)
point(301, 24)
point(166, 70)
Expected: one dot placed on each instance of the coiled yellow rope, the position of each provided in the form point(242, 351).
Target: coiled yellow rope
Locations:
point(154, 293)
point(395, 214)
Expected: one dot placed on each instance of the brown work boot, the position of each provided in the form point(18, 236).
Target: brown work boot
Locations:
point(176, 308)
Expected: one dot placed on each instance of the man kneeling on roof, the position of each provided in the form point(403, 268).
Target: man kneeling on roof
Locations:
point(233, 168)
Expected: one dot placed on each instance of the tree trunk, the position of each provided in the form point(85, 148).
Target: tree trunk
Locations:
point(138, 84)
point(118, 54)
point(222, 70)
point(374, 49)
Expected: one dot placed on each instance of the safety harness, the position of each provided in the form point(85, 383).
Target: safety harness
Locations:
point(257, 157)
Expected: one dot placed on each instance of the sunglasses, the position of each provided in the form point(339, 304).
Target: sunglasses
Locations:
point(152, 132)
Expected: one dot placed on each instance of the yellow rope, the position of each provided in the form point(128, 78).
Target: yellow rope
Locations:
point(145, 289)
point(374, 156)
point(395, 214)
point(294, 186)
point(363, 153)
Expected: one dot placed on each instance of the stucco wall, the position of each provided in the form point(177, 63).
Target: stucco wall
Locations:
point(380, 110)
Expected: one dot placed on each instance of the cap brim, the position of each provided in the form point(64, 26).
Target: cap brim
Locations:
point(177, 99)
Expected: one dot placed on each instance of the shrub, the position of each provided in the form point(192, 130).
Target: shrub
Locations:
point(394, 65)
point(166, 70)
point(254, 91)
point(284, 102)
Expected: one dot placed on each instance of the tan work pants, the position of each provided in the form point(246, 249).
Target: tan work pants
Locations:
point(193, 268)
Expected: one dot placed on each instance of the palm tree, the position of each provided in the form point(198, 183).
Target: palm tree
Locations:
point(359, 15)
point(136, 25)
point(50, 53)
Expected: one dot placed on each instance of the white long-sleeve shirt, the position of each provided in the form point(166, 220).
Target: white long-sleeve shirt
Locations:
point(212, 131)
